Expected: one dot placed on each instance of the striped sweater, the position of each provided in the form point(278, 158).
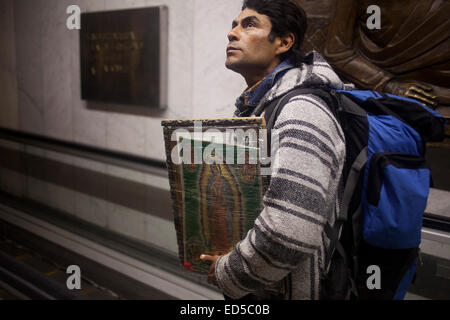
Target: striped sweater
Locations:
point(287, 243)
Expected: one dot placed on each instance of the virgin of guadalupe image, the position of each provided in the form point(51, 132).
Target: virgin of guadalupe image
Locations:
point(221, 208)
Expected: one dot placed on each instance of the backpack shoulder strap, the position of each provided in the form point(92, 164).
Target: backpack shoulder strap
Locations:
point(273, 110)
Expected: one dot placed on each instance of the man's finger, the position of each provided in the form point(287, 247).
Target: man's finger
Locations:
point(420, 91)
point(205, 257)
point(423, 86)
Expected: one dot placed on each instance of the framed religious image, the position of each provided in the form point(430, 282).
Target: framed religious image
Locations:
point(216, 184)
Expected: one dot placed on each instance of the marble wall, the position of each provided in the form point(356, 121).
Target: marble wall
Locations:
point(49, 80)
point(40, 93)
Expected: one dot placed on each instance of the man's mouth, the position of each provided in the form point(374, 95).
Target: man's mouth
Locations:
point(230, 49)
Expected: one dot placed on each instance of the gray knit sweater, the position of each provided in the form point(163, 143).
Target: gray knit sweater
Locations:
point(286, 244)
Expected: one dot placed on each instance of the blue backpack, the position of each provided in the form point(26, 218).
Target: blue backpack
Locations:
point(385, 191)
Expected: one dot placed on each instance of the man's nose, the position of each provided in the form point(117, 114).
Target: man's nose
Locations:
point(233, 35)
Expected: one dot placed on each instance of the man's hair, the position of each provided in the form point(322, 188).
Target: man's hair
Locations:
point(286, 16)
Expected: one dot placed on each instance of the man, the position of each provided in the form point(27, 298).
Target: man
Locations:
point(283, 255)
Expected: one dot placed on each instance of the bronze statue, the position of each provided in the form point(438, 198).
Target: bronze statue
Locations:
point(409, 55)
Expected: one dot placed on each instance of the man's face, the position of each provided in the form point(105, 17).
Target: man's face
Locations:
point(249, 49)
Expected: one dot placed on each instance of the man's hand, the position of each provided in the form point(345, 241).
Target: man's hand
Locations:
point(412, 89)
point(212, 269)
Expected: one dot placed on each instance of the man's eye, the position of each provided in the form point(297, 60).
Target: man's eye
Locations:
point(249, 25)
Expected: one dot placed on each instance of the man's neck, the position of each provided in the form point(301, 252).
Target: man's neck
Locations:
point(253, 78)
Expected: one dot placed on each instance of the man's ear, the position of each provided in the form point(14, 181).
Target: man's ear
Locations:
point(286, 43)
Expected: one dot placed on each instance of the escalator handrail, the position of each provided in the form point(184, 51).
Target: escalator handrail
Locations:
point(127, 160)
point(32, 283)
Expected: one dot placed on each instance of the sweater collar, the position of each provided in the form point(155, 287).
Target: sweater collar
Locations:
point(250, 98)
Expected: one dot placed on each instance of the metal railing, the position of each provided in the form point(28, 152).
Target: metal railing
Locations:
point(30, 283)
point(122, 159)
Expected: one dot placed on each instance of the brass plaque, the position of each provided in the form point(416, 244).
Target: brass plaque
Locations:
point(124, 56)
